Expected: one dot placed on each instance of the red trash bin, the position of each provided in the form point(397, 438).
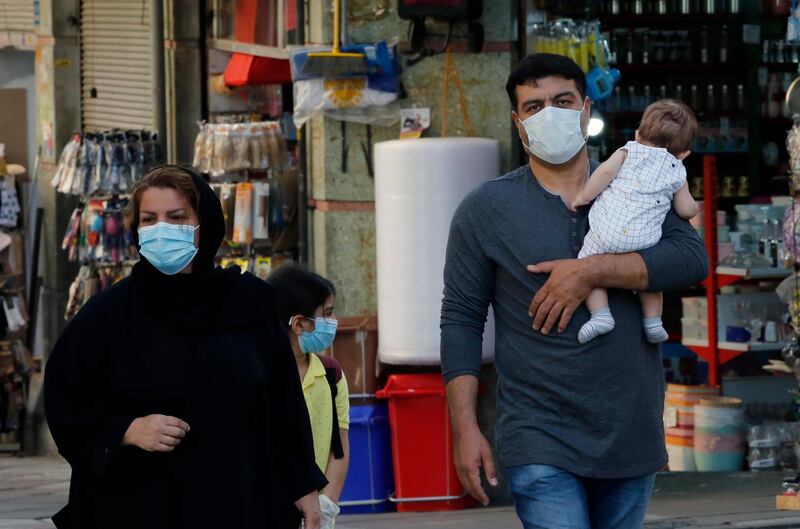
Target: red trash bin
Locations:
point(422, 445)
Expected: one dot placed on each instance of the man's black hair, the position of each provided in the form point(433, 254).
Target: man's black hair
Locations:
point(299, 291)
point(541, 65)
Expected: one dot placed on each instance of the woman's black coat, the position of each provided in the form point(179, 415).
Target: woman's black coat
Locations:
point(205, 347)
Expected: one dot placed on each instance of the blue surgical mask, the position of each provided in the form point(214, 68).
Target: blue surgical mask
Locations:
point(168, 247)
point(321, 338)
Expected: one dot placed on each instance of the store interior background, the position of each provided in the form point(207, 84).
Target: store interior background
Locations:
point(339, 217)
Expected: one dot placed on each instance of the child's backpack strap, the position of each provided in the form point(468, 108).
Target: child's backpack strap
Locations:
point(333, 373)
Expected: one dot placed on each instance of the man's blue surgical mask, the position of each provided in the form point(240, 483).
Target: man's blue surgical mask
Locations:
point(321, 338)
point(554, 134)
point(168, 247)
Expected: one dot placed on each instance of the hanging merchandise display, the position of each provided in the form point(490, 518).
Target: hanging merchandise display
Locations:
point(97, 233)
point(224, 148)
point(93, 278)
point(107, 163)
point(243, 217)
point(260, 210)
point(356, 97)
point(9, 199)
point(102, 168)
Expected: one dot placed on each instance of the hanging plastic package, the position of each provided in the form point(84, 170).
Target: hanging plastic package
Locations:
point(260, 210)
point(243, 218)
point(241, 147)
point(363, 99)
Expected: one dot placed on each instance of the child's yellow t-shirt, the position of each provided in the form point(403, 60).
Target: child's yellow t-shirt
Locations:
point(317, 393)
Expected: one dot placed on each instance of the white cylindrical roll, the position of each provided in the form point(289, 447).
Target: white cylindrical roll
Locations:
point(418, 186)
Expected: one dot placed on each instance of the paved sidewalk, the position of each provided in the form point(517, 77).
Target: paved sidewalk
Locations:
point(32, 489)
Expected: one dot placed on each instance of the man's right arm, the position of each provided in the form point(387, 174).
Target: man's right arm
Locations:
point(468, 283)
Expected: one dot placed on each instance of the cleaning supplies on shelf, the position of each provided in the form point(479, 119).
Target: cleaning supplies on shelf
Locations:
point(366, 98)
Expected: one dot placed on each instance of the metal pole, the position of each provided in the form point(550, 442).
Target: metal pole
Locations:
point(33, 289)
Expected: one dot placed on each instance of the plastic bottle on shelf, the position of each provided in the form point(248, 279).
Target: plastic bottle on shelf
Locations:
point(723, 45)
point(679, 92)
point(740, 97)
point(694, 101)
point(787, 80)
point(662, 91)
point(645, 49)
point(629, 48)
point(710, 7)
point(647, 97)
point(704, 45)
point(780, 49)
point(724, 103)
point(711, 99)
point(774, 100)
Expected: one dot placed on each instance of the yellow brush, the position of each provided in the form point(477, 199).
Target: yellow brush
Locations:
point(335, 62)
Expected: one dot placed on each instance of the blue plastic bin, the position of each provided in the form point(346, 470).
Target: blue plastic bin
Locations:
point(370, 478)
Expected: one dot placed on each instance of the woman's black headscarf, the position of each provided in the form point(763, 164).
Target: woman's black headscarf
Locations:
point(191, 301)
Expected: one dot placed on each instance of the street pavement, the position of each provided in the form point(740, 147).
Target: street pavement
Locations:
point(32, 489)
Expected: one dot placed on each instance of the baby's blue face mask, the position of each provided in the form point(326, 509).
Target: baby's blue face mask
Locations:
point(168, 247)
point(321, 338)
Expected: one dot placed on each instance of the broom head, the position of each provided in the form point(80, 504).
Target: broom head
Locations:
point(335, 63)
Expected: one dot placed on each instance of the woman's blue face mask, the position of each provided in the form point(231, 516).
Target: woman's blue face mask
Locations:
point(168, 247)
point(321, 338)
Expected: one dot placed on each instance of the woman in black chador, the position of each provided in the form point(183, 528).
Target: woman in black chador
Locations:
point(174, 395)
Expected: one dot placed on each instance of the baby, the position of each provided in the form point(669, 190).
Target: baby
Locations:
point(636, 187)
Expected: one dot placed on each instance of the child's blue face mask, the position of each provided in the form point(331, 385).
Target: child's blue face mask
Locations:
point(168, 247)
point(321, 338)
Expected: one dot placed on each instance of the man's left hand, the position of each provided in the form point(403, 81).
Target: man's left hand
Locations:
point(567, 287)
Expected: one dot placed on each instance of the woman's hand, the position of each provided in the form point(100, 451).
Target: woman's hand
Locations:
point(156, 433)
point(308, 505)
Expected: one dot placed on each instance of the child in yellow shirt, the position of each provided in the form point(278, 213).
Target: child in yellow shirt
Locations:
point(305, 304)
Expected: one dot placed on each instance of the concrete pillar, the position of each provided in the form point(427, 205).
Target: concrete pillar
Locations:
point(184, 78)
point(58, 104)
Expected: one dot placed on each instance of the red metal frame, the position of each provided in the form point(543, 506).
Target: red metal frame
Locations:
point(711, 353)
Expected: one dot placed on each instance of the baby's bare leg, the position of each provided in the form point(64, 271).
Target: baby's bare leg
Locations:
point(652, 307)
point(652, 304)
point(602, 321)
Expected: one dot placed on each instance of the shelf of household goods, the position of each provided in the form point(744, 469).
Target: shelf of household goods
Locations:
point(258, 50)
point(730, 350)
point(738, 347)
point(654, 20)
point(716, 67)
point(728, 275)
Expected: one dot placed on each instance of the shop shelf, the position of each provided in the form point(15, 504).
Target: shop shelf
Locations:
point(655, 20)
point(729, 350)
point(744, 274)
point(678, 67)
point(252, 49)
point(727, 275)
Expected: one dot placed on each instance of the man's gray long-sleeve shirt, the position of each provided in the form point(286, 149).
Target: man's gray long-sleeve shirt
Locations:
point(594, 410)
